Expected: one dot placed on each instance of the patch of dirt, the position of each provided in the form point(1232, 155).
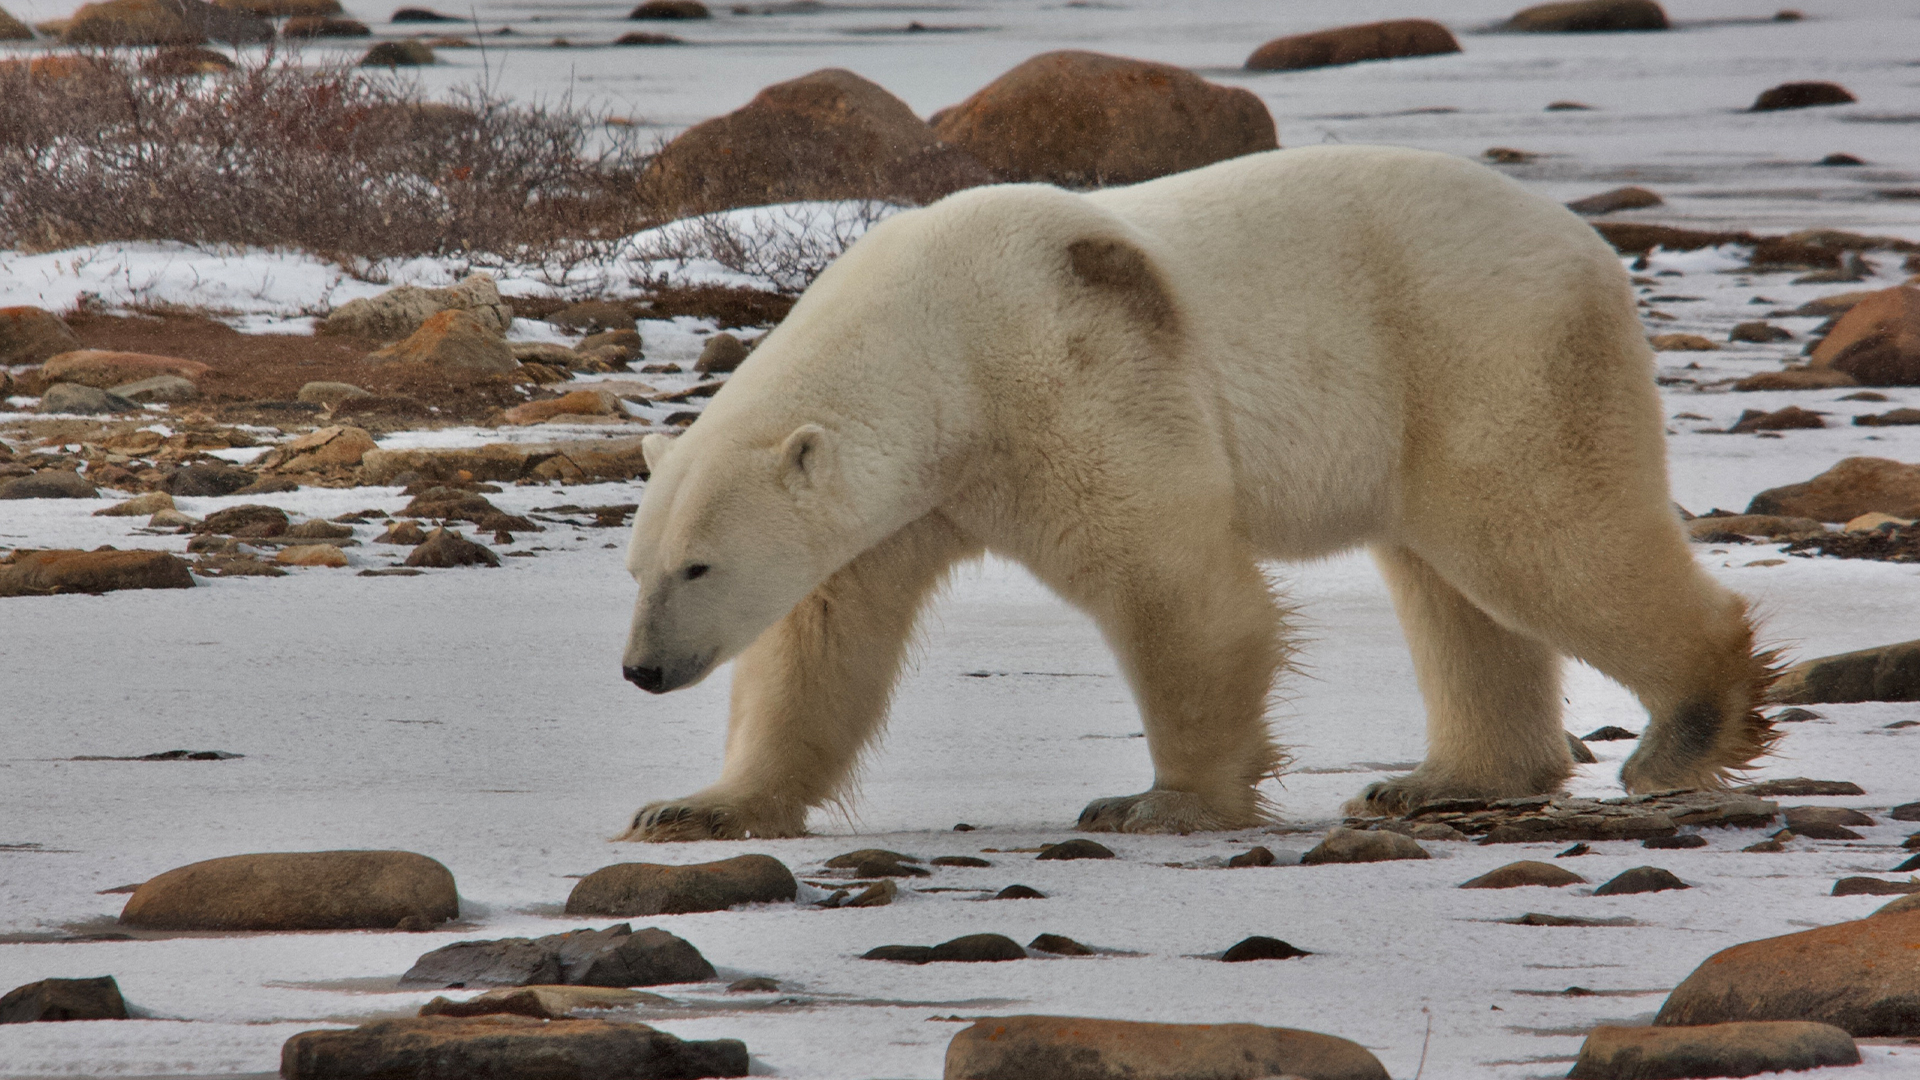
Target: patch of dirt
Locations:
point(732, 307)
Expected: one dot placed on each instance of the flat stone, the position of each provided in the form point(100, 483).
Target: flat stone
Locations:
point(49, 573)
point(159, 388)
point(1641, 879)
point(1867, 886)
point(1564, 818)
point(1681, 842)
point(1058, 945)
point(49, 484)
point(309, 890)
point(900, 954)
point(1077, 848)
point(1799, 817)
point(879, 894)
point(958, 860)
point(1072, 1048)
point(1535, 918)
point(1732, 1049)
point(878, 862)
point(1858, 976)
point(506, 1046)
point(63, 999)
point(1355, 846)
point(643, 889)
point(617, 956)
point(545, 1002)
point(1799, 787)
point(1526, 872)
point(975, 949)
point(1258, 947)
point(1821, 830)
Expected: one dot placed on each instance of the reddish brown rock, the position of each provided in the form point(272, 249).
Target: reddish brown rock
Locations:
point(1625, 198)
point(47, 573)
point(104, 368)
point(827, 135)
point(324, 555)
point(1858, 976)
point(307, 890)
point(1071, 1048)
point(1797, 379)
point(1878, 340)
point(641, 889)
point(1857, 485)
point(1791, 418)
point(1084, 119)
point(1354, 44)
point(29, 335)
point(322, 448)
point(1736, 1049)
point(576, 403)
point(453, 339)
point(506, 1046)
point(1589, 16)
point(161, 22)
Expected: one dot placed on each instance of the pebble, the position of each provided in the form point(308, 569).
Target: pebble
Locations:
point(1641, 879)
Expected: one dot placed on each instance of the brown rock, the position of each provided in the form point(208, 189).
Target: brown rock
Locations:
point(403, 532)
point(1799, 817)
point(63, 999)
point(639, 889)
point(671, 10)
point(245, 520)
point(311, 890)
point(444, 549)
point(593, 317)
point(1798, 378)
point(1769, 526)
point(311, 555)
point(1910, 902)
point(506, 1046)
point(1890, 418)
point(161, 22)
point(494, 461)
point(1868, 886)
point(1855, 486)
point(29, 335)
point(1606, 202)
point(1355, 846)
point(827, 135)
point(306, 26)
point(1354, 44)
point(1083, 119)
point(1525, 872)
point(1261, 947)
point(400, 311)
point(453, 339)
point(1801, 95)
point(281, 9)
point(1878, 340)
point(1587, 16)
point(1071, 1048)
point(48, 573)
point(1734, 1049)
point(1638, 238)
point(139, 506)
point(183, 61)
point(576, 403)
point(406, 52)
point(1682, 343)
point(1858, 976)
point(102, 368)
point(1791, 418)
point(722, 353)
point(12, 29)
point(626, 341)
point(1641, 879)
point(321, 448)
point(1884, 673)
point(329, 394)
point(544, 1002)
point(1758, 333)
point(48, 484)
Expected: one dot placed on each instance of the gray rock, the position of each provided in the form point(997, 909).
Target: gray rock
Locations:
point(1058, 945)
point(1885, 673)
point(48, 484)
point(75, 399)
point(642, 889)
point(159, 388)
point(1641, 879)
point(1905, 812)
point(976, 949)
point(63, 999)
point(398, 312)
point(1868, 886)
point(1581, 755)
point(722, 353)
point(329, 394)
point(1799, 817)
point(1355, 846)
point(616, 956)
point(207, 478)
point(900, 954)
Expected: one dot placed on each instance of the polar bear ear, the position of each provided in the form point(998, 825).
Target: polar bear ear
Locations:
point(1124, 274)
point(654, 449)
point(806, 457)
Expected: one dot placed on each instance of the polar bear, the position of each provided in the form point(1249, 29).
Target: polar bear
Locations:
point(1140, 394)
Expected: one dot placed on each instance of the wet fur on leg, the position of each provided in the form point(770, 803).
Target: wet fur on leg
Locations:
point(1704, 744)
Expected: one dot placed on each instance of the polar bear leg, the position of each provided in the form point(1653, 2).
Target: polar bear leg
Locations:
point(1200, 639)
point(1492, 697)
point(812, 691)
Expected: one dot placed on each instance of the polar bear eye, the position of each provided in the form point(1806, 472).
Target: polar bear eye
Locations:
point(698, 569)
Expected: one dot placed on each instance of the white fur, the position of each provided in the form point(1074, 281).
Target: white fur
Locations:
point(1140, 393)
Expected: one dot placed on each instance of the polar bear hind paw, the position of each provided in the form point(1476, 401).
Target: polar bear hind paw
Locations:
point(1162, 811)
point(1404, 794)
point(668, 822)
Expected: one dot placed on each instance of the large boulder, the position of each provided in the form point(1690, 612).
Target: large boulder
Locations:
point(1353, 44)
point(1858, 976)
point(74, 399)
point(1857, 485)
point(1737, 1049)
point(1083, 119)
point(1885, 673)
point(506, 1046)
point(29, 335)
point(1071, 1048)
point(400, 311)
point(452, 339)
point(1589, 16)
point(105, 368)
point(1877, 341)
point(306, 890)
point(63, 999)
point(827, 135)
point(46, 573)
point(162, 22)
point(641, 889)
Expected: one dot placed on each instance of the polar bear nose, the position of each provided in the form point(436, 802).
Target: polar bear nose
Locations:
point(651, 679)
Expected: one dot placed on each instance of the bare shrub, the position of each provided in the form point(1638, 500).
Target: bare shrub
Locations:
point(786, 246)
point(334, 160)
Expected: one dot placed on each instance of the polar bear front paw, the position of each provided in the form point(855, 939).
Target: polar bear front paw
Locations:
point(1160, 811)
point(703, 816)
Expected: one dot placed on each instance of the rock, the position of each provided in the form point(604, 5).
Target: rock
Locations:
point(159, 388)
point(1867, 886)
point(900, 954)
point(336, 446)
point(1790, 418)
point(29, 335)
point(329, 394)
point(1058, 945)
point(1082, 119)
point(1077, 848)
point(1612, 733)
point(543, 352)
point(544, 1002)
point(671, 10)
point(1261, 948)
point(1354, 846)
point(319, 529)
point(1799, 817)
point(1734, 1049)
point(879, 894)
point(1819, 830)
point(1855, 486)
point(506, 1046)
point(245, 520)
point(958, 860)
point(1877, 341)
point(722, 353)
point(162, 22)
point(877, 862)
point(48, 573)
point(308, 890)
point(1682, 842)
point(638, 37)
point(399, 312)
point(1070, 1048)
point(185, 61)
point(1885, 673)
point(443, 549)
point(208, 478)
point(641, 889)
point(1796, 378)
point(626, 341)
point(576, 403)
point(593, 317)
point(1910, 902)
point(451, 339)
point(1641, 879)
point(48, 484)
point(63, 999)
point(420, 15)
point(1772, 527)
point(756, 984)
point(311, 555)
point(1019, 892)
point(1857, 976)
point(1258, 856)
point(1354, 44)
point(1526, 872)
point(827, 135)
point(1758, 333)
point(1588, 16)
point(977, 949)
point(1905, 812)
point(615, 956)
point(1801, 787)
point(1581, 755)
point(102, 368)
point(406, 52)
point(1681, 343)
point(1626, 198)
point(309, 26)
point(1890, 418)
point(75, 399)
point(1801, 95)
point(139, 506)
point(403, 532)
point(12, 29)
